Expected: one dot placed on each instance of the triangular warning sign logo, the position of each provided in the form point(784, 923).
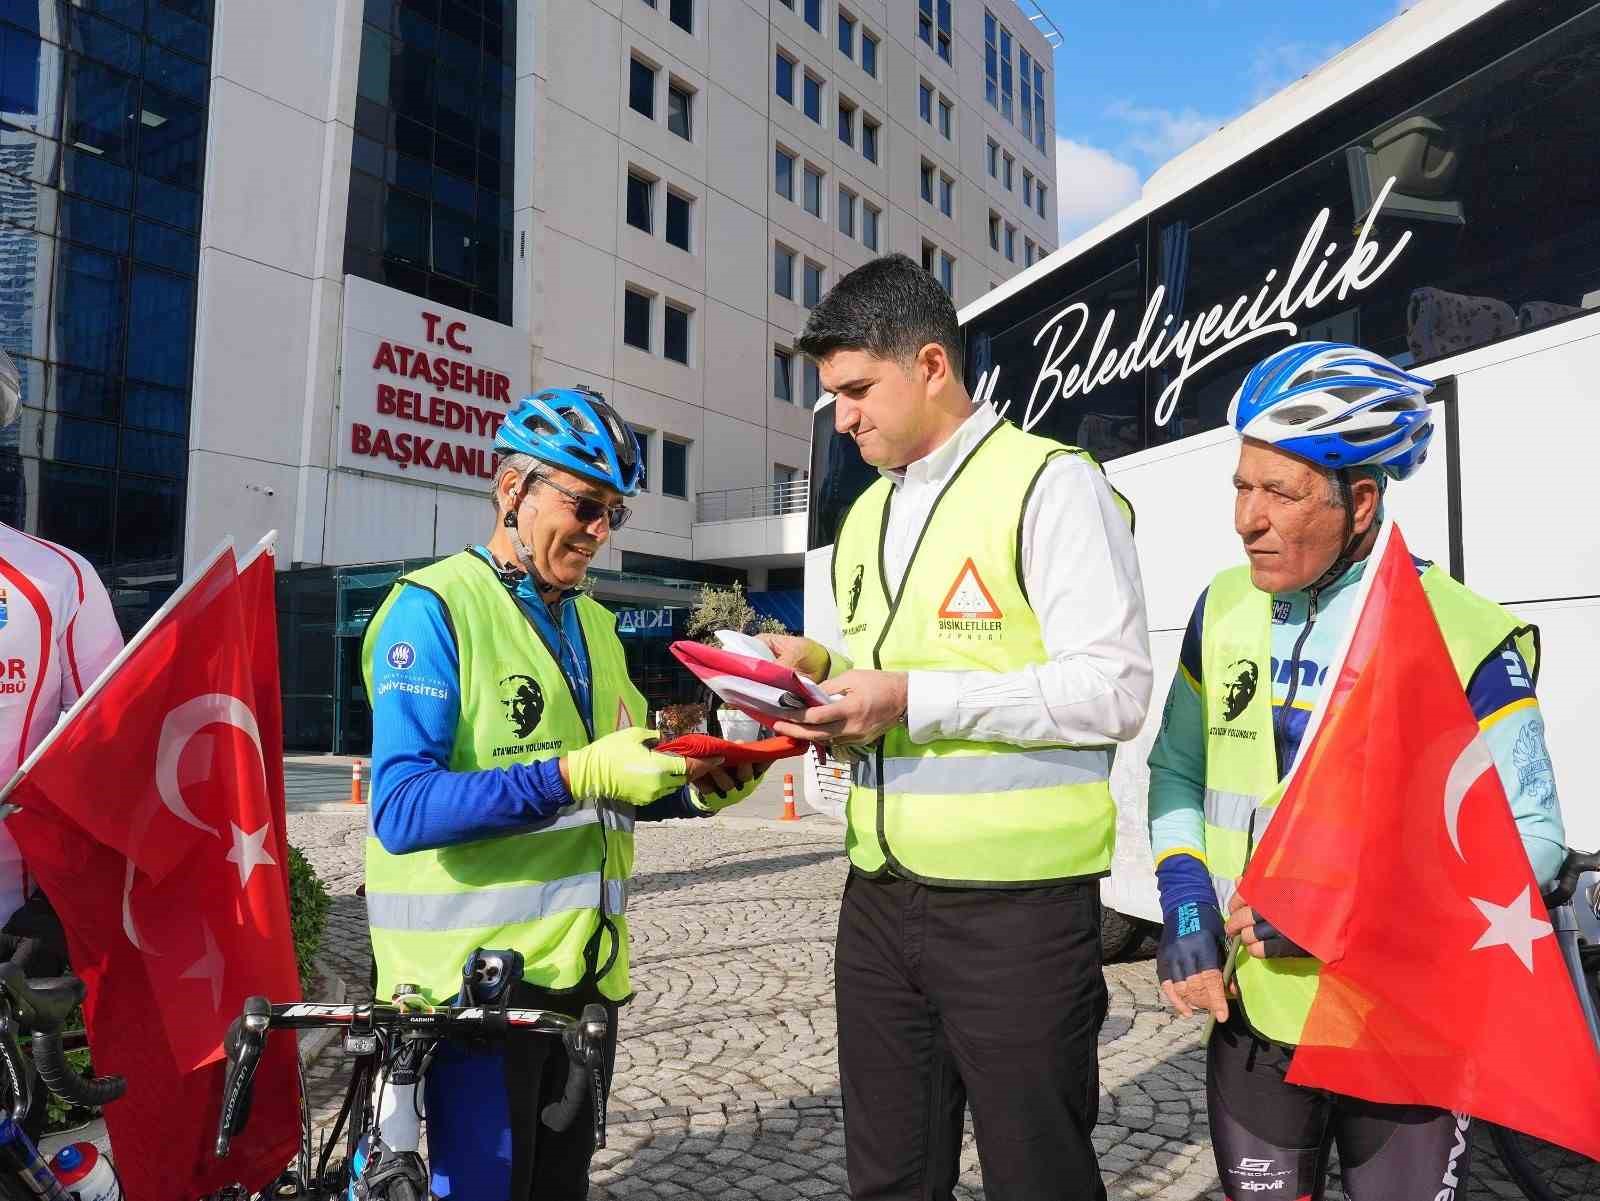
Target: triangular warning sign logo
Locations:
point(969, 599)
point(624, 722)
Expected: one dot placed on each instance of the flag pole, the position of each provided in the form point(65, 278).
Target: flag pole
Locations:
point(268, 545)
point(1314, 723)
point(224, 547)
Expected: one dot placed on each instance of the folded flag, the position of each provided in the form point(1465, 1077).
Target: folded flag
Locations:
point(732, 754)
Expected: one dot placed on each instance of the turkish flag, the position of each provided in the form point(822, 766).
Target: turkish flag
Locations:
point(1395, 860)
point(148, 819)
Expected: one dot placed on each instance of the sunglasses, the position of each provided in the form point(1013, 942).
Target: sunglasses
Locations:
point(587, 509)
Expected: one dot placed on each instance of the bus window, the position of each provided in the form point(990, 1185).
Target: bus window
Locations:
point(838, 476)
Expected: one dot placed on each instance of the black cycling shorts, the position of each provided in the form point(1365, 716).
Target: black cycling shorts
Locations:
point(1272, 1138)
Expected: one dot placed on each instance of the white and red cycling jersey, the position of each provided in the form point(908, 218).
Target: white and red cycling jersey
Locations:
point(57, 633)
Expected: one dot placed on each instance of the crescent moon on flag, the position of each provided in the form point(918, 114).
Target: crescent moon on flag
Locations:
point(1474, 759)
point(182, 724)
point(128, 928)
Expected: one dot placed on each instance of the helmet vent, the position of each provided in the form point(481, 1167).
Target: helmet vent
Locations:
point(1296, 414)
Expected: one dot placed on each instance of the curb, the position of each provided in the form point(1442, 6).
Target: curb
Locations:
point(314, 1042)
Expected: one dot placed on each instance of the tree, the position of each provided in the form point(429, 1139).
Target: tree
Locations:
point(727, 609)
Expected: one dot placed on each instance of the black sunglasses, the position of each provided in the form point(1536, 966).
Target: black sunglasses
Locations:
point(587, 509)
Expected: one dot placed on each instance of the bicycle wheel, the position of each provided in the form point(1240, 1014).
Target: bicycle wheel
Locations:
point(1543, 1171)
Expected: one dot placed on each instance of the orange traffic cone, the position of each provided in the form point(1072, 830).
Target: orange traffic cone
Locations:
point(789, 815)
point(355, 783)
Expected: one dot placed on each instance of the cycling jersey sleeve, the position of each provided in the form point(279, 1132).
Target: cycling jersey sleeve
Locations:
point(417, 802)
point(1502, 696)
point(91, 637)
point(1178, 758)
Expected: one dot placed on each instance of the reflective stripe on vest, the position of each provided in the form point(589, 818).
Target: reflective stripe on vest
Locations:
point(954, 811)
point(537, 890)
point(1242, 785)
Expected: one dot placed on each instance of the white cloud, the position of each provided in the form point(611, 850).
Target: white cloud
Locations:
point(1091, 184)
point(1160, 133)
point(1275, 67)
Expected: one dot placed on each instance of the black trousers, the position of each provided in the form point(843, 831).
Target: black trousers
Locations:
point(1272, 1138)
point(951, 996)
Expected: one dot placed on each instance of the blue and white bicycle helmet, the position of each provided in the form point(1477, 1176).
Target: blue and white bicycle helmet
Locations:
point(577, 430)
point(1337, 406)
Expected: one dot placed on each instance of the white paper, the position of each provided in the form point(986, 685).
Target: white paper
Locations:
point(745, 644)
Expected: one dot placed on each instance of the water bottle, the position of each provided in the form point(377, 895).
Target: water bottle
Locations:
point(85, 1173)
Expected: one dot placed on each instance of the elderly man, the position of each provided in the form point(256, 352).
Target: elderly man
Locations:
point(1324, 427)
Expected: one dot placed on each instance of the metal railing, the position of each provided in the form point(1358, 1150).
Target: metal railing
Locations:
point(1045, 25)
point(739, 504)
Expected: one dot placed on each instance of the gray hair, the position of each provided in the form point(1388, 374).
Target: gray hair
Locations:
point(521, 464)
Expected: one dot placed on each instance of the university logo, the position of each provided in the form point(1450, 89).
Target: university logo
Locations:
point(1239, 687)
point(1280, 612)
point(401, 656)
point(969, 610)
point(524, 703)
point(855, 592)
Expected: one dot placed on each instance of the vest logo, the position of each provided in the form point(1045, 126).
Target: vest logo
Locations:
point(969, 610)
point(1239, 687)
point(524, 703)
point(1280, 612)
point(13, 676)
point(855, 592)
point(5, 609)
point(401, 656)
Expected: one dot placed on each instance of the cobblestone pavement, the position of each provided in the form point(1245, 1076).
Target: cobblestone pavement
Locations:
point(726, 1082)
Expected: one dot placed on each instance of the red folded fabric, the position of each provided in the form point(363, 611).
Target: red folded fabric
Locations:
point(705, 746)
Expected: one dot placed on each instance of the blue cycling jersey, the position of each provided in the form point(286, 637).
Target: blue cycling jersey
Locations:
point(1304, 640)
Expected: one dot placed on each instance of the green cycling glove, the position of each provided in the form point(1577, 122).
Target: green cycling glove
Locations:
point(623, 767)
point(701, 796)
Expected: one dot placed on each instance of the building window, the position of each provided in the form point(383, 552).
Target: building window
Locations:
point(813, 385)
point(991, 59)
point(785, 77)
point(847, 123)
point(994, 230)
point(814, 14)
point(680, 109)
point(1025, 74)
point(783, 174)
point(847, 212)
point(994, 159)
point(641, 202)
point(927, 181)
point(1038, 107)
point(1027, 252)
point(1011, 243)
point(935, 32)
point(675, 334)
point(869, 54)
point(925, 101)
point(636, 308)
point(642, 89)
point(1040, 200)
point(929, 253)
point(1009, 163)
point(869, 139)
point(681, 14)
point(947, 191)
point(944, 117)
point(1005, 73)
point(847, 34)
point(783, 375)
point(1027, 188)
point(679, 219)
point(813, 293)
point(674, 468)
point(813, 197)
point(869, 226)
point(783, 272)
point(947, 273)
point(813, 98)
point(643, 438)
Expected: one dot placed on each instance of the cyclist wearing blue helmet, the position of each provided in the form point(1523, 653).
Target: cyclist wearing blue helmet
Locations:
point(1324, 427)
point(510, 761)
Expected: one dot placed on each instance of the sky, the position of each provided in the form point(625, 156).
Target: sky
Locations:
point(1138, 81)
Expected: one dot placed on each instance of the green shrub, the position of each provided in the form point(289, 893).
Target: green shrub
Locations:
point(308, 915)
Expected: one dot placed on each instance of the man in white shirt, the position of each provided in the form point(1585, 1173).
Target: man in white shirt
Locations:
point(988, 586)
point(57, 633)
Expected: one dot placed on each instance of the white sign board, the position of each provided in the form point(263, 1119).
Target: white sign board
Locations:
point(424, 387)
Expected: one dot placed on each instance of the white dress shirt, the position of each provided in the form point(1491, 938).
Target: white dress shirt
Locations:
point(1082, 577)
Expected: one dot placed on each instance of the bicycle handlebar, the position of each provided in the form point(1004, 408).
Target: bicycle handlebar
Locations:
point(42, 1006)
point(585, 1042)
point(1577, 862)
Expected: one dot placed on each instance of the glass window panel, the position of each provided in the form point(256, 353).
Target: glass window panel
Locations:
point(416, 29)
point(847, 124)
point(813, 192)
point(166, 303)
point(90, 308)
point(675, 339)
point(783, 272)
point(88, 443)
point(456, 192)
point(25, 296)
point(813, 100)
point(84, 394)
point(75, 504)
point(176, 73)
point(783, 174)
point(154, 454)
point(180, 31)
point(642, 89)
point(412, 174)
point(944, 117)
point(640, 191)
point(367, 155)
point(674, 468)
point(372, 120)
point(27, 205)
point(101, 107)
point(172, 139)
point(947, 189)
point(407, 277)
point(813, 385)
point(643, 438)
point(869, 54)
point(102, 40)
point(28, 70)
point(463, 21)
point(847, 213)
point(847, 35)
point(157, 408)
point(128, 12)
point(93, 224)
point(175, 206)
point(784, 77)
point(681, 14)
point(869, 227)
point(453, 244)
point(814, 13)
point(449, 291)
point(95, 178)
point(813, 291)
point(379, 13)
point(869, 140)
point(168, 247)
point(149, 518)
point(405, 228)
point(678, 221)
point(680, 107)
point(925, 102)
point(783, 376)
point(636, 320)
point(411, 75)
point(413, 138)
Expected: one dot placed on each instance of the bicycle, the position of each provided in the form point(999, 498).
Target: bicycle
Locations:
point(1543, 1171)
point(393, 1044)
point(40, 1007)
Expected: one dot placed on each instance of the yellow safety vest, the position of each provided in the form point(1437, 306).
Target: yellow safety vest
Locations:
point(955, 812)
point(556, 892)
point(1242, 785)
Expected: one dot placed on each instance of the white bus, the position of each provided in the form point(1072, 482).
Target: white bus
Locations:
point(1432, 194)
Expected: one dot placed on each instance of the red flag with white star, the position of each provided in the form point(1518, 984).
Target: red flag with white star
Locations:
point(148, 819)
point(1394, 858)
